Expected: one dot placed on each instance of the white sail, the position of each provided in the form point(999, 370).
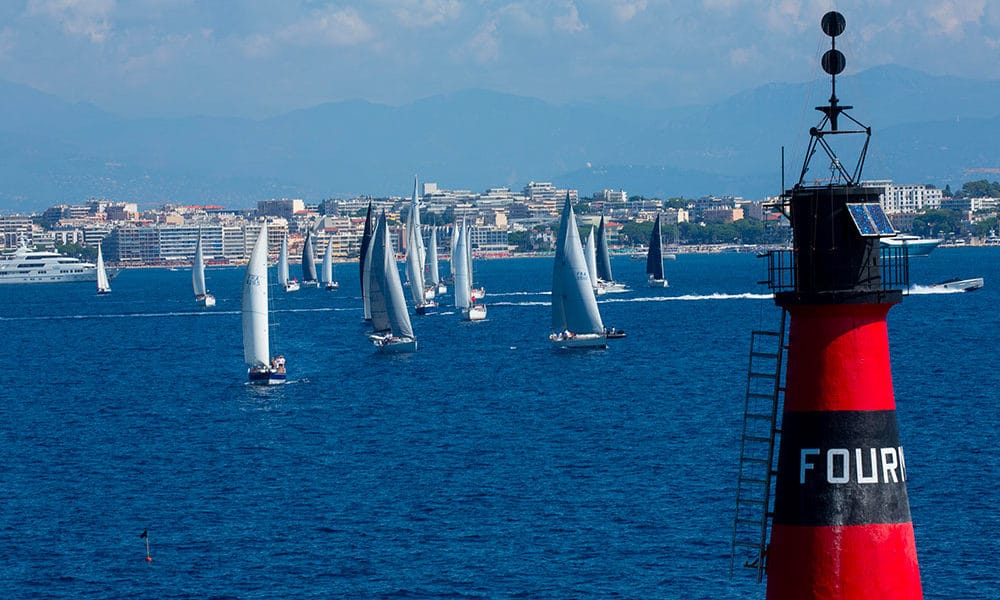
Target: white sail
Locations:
point(327, 272)
point(103, 285)
point(454, 242)
point(365, 263)
point(590, 251)
point(414, 265)
point(283, 262)
point(574, 306)
point(433, 275)
point(388, 305)
point(415, 222)
point(256, 343)
point(460, 259)
point(198, 271)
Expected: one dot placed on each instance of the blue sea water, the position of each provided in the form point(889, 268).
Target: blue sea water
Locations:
point(486, 465)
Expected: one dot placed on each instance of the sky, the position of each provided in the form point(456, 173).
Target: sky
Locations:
point(259, 58)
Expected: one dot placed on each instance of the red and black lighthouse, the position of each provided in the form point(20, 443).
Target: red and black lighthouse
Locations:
point(841, 524)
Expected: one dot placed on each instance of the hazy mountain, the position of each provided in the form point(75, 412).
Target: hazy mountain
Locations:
point(926, 129)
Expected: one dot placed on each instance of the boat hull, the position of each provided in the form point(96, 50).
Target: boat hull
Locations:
point(267, 377)
point(580, 340)
point(478, 293)
point(332, 286)
point(613, 287)
point(657, 283)
point(292, 286)
point(475, 313)
point(961, 285)
point(206, 300)
point(394, 345)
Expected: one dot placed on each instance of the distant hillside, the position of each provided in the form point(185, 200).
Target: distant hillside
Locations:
point(927, 129)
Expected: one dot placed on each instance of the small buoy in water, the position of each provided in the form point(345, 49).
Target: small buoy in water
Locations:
point(149, 559)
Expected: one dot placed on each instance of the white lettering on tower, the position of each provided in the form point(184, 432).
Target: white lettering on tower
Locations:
point(804, 465)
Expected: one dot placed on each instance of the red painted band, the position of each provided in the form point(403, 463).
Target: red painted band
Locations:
point(838, 358)
point(860, 562)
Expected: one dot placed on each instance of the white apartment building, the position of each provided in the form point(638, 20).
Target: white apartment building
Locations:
point(907, 198)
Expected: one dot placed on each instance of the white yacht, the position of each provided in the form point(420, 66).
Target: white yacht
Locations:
point(29, 266)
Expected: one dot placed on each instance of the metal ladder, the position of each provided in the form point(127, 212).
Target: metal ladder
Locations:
point(758, 449)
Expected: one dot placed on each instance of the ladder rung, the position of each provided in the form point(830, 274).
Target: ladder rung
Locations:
point(764, 375)
point(770, 333)
point(757, 438)
point(759, 417)
point(764, 354)
point(759, 395)
point(752, 480)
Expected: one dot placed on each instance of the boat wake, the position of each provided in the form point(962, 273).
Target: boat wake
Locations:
point(687, 297)
point(691, 297)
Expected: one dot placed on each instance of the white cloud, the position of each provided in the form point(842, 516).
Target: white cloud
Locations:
point(739, 57)
point(951, 16)
point(85, 18)
point(626, 10)
point(424, 13)
point(146, 65)
point(7, 42)
point(344, 27)
point(570, 21)
point(484, 45)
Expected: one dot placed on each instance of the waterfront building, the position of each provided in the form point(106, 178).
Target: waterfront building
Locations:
point(906, 198)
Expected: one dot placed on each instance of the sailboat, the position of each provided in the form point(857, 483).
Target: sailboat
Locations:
point(326, 275)
point(290, 285)
point(463, 280)
point(309, 262)
point(103, 283)
point(201, 295)
point(433, 275)
point(654, 257)
point(262, 369)
point(576, 320)
point(415, 237)
point(392, 329)
point(415, 267)
point(604, 276)
point(590, 253)
point(365, 263)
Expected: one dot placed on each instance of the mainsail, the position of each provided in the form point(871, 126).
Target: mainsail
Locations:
point(590, 253)
point(283, 262)
point(364, 261)
point(463, 279)
point(198, 271)
point(654, 257)
point(308, 260)
point(255, 335)
point(603, 254)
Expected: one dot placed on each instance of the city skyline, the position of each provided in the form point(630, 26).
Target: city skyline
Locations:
point(257, 59)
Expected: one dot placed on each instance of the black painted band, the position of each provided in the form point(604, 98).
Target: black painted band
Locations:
point(841, 468)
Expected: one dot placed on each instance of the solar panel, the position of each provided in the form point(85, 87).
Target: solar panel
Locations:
point(866, 227)
point(878, 216)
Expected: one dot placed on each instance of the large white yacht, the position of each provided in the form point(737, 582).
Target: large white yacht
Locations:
point(29, 266)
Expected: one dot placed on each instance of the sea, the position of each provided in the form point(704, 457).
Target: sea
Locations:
point(485, 465)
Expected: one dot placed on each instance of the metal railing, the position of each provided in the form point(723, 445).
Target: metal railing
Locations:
point(894, 263)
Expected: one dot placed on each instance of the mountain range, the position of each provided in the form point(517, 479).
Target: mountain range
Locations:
point(925, 129)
